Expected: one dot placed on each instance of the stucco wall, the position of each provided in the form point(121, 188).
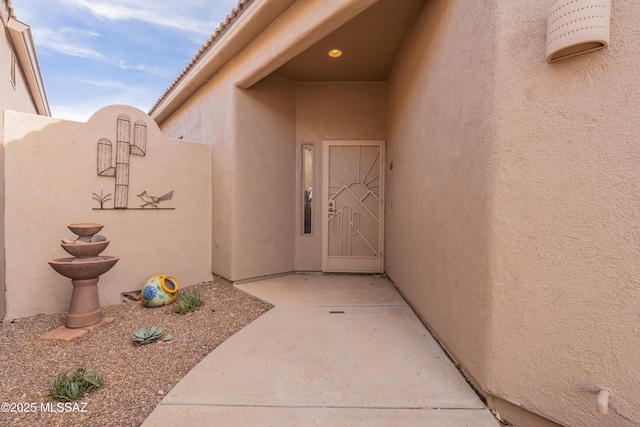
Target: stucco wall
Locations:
point(567, 276)
point(256, 171)
point(263, 212)
point(330, 111)
point(252, 138)
point(439, 184)
point(209, 117)
point(512, 205)
point(251, 239)
point(12, 97)
point(50, 173)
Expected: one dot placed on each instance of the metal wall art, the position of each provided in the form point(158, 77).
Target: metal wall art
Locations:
point(126, 145)
point(152, 200)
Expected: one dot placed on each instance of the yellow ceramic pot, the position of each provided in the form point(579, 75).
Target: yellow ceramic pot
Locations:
point(159, 290)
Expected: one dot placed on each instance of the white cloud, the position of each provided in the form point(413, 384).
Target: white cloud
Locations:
point(157, 13)
point(119, 94)
point(77, 113)
point(77, 92)
point(66, 40)
point(156, 71)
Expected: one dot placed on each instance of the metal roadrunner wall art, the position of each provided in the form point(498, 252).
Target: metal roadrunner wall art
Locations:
point(125, 147)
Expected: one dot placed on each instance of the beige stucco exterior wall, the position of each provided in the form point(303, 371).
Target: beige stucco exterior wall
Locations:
point(566, 254)
point(438, 205)
point(256, 228)
point(252, 137)
point(512, 205)
point(51, 173)
point(263, 214)
point(209, 116)
point(258, 153)
point(330, 111)
point(13, 97)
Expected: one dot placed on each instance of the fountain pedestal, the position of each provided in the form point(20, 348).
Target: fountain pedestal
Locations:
point(84, 309)
point(84, 270)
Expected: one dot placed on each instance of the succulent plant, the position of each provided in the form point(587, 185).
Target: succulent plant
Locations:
point(67, 387)
point(147, 335)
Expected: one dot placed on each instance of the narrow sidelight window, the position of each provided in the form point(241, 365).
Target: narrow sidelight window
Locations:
point(307, 188)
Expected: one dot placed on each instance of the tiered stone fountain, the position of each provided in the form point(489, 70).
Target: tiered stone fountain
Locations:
point(84, 269)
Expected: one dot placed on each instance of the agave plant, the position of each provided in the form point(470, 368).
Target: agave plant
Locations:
point(147, 335)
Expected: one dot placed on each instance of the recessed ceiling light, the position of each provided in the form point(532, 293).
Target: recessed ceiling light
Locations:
point(335, 53)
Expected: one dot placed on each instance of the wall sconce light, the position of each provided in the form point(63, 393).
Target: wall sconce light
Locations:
point(577, 26)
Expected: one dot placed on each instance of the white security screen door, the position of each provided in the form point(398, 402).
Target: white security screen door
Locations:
point(353, 179)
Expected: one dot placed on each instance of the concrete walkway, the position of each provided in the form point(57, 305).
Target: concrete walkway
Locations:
point(336, 350)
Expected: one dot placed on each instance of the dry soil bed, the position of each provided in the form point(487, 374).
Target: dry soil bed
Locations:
point(137, 377)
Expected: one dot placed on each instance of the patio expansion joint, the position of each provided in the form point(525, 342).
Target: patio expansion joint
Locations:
point(338, 305)
point(407, 408)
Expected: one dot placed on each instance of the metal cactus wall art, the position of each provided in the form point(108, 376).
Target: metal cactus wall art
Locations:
point(128, 143)
point(125, 147)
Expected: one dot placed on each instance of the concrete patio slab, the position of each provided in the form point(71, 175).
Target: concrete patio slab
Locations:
point(207, 416)
point(303, 363)
point(325, 290)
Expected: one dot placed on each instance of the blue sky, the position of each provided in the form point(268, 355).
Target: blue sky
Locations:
point(95, 53)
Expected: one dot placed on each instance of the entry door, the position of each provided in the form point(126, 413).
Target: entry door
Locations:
point(353, 179)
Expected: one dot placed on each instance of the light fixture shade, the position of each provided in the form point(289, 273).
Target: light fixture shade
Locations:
point(577, 26)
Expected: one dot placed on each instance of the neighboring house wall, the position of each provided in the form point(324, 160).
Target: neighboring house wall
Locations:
point(514, 226)
point(51, 173)
point(15, 94)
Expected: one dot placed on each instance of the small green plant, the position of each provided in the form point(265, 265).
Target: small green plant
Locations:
point(147, 335)
point(187, 302)
point(65, 387)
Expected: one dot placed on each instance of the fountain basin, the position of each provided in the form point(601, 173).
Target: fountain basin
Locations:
point(85, 229)
point(85, 249)
point(82, 269)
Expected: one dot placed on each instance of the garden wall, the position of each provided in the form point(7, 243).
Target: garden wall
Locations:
point(51, 180)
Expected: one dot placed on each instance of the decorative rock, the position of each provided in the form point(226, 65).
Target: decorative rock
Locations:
point(98, 238)
point(68, 241)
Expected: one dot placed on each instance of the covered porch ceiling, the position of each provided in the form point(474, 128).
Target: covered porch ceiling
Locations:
point(369, 44)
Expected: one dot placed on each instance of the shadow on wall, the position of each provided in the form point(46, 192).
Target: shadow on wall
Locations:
point(151, 192)
point(439, 180)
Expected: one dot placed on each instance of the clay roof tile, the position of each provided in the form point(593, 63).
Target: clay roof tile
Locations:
point(212, 39)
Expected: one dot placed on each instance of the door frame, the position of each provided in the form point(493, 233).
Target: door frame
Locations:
point(336, 266)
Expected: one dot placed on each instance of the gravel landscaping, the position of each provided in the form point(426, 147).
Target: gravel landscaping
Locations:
point(136, 377)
